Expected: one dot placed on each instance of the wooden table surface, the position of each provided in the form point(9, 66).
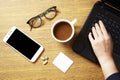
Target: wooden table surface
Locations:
point(13, 66)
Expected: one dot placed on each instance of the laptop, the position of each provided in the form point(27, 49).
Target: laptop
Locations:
point(109, 12)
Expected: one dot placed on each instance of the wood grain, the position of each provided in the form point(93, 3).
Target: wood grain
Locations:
point(15, 67)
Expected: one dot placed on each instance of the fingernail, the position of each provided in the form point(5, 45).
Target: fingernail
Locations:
point(100, 21)
point(93, 28)
point(95, 24)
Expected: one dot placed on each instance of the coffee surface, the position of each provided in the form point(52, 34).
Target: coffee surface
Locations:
point(62, 31)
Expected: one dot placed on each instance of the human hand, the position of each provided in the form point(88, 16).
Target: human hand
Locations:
point(102, 45)
point(101, 41)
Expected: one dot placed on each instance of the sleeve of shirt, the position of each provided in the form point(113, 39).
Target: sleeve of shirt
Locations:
point(115, 76)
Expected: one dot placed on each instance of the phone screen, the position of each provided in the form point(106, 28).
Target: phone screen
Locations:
point(23, 44)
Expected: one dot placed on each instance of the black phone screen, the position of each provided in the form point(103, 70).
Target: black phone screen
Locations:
point(23, 44)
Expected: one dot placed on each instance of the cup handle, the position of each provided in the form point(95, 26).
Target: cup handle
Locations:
point(74, 21)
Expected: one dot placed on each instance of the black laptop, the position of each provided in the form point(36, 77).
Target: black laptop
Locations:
point(109, 12)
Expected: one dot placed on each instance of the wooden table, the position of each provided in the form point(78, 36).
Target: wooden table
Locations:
point(15, 67)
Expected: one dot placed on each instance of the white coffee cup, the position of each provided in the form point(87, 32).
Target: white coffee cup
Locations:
point(62, 25)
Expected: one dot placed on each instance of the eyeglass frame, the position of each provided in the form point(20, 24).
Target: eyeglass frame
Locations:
point(41, 15)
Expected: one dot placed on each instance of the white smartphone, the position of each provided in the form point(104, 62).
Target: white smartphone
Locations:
point(23, 44)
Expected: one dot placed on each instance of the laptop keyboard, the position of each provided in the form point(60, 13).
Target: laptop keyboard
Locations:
point(113, 27)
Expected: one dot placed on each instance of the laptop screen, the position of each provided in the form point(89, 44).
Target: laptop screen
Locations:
point(115, 3)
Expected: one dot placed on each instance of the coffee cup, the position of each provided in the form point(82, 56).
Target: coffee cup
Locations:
point(63, 30)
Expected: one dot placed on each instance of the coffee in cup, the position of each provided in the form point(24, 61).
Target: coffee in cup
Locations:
point(63, 30)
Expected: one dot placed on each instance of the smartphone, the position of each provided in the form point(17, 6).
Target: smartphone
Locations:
point(23, 44)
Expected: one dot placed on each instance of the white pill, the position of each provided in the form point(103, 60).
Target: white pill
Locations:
point(46, 57)
point(42, 58)
point(45, 62)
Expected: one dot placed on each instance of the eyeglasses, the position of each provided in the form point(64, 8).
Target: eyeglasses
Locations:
point(36, 21)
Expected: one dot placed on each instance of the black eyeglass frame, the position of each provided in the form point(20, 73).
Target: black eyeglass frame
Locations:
point(51, 9)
